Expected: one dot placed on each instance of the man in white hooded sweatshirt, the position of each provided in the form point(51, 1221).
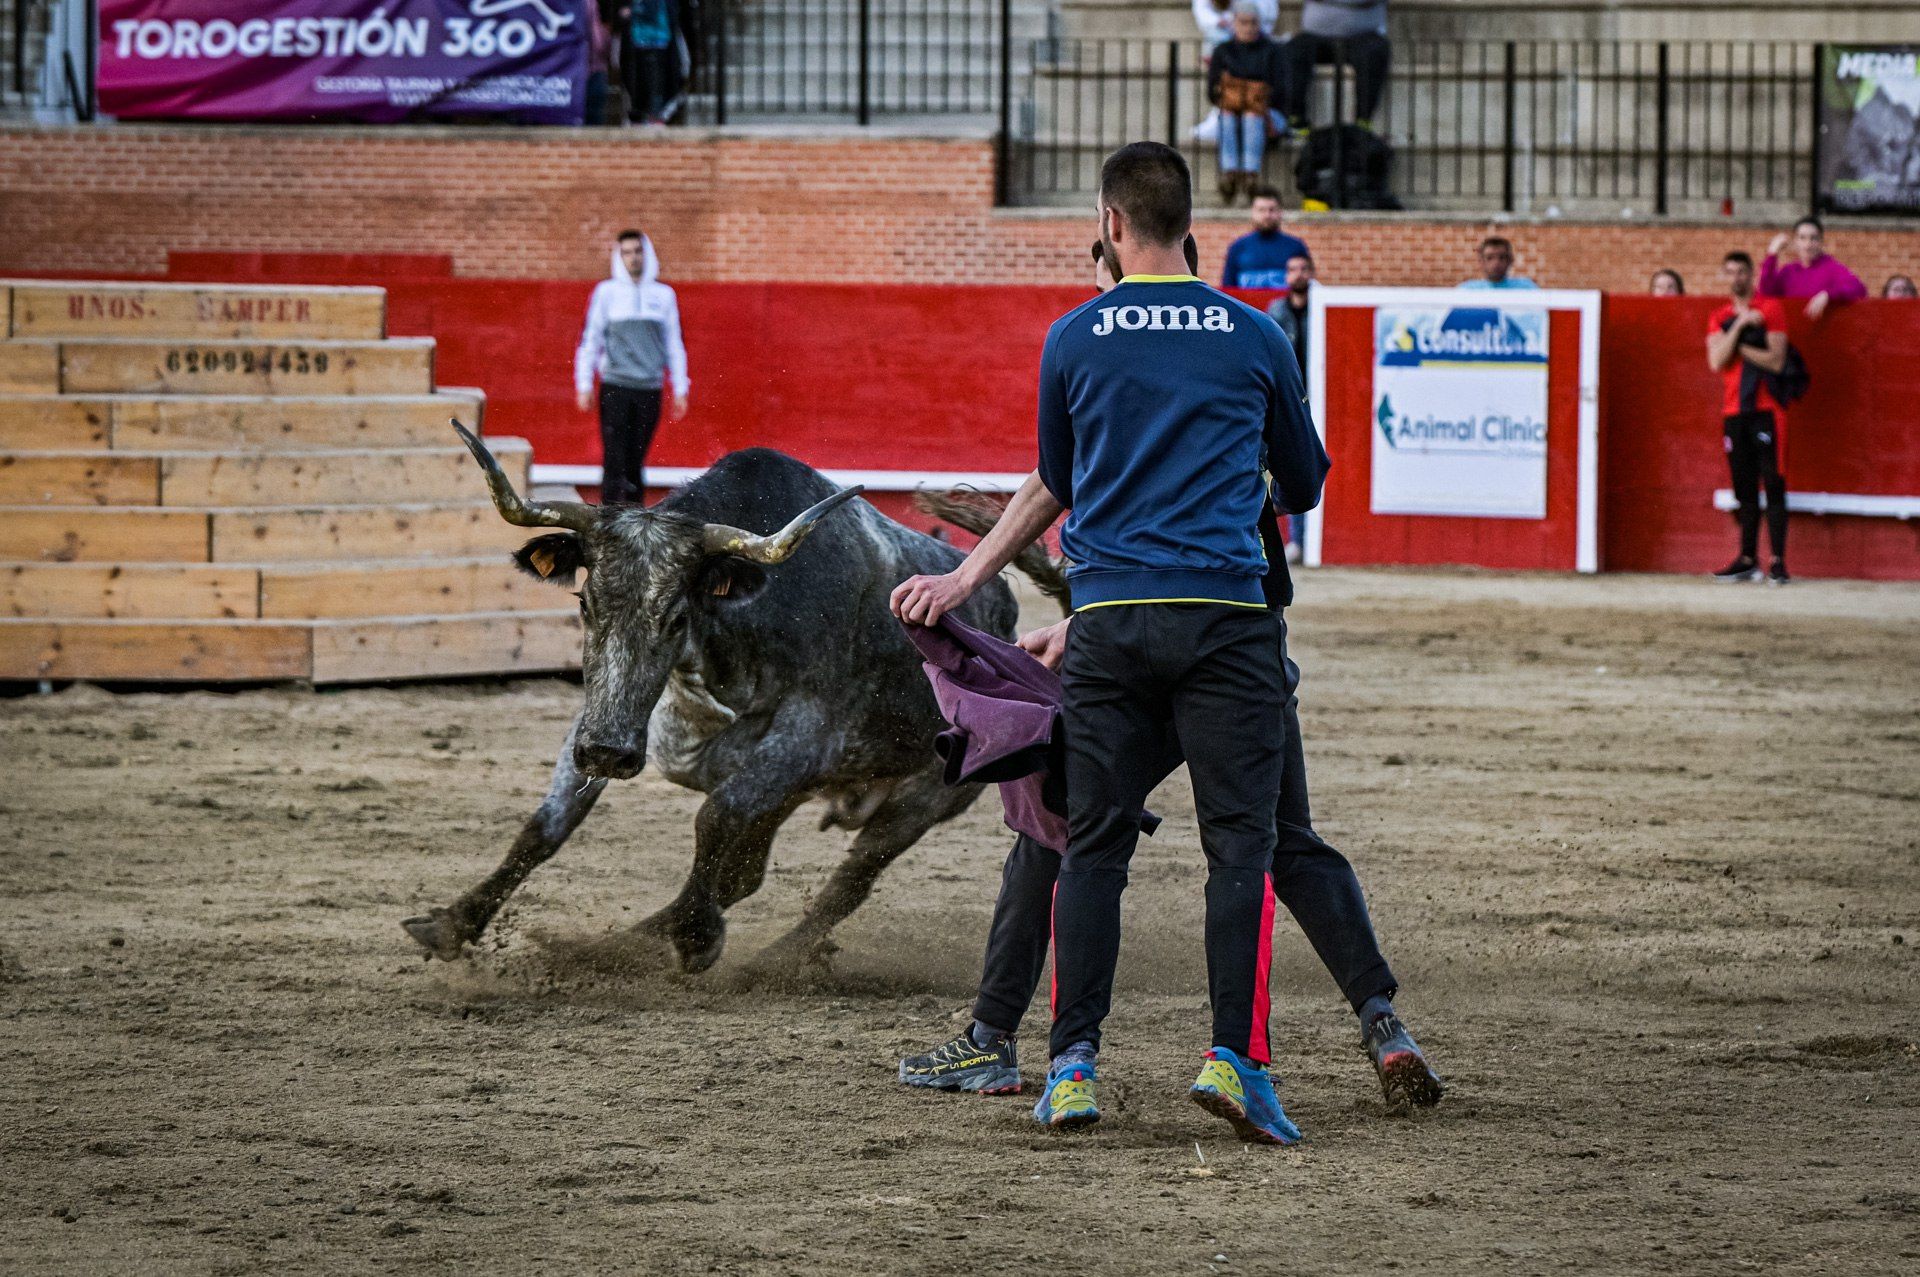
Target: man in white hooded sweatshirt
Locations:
point(632, 340)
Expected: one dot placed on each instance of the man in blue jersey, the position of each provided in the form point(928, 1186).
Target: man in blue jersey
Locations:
point(1164, 407)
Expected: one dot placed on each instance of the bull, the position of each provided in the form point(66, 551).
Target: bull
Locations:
point(737, 634)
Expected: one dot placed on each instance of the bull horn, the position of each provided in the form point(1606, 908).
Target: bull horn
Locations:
point(722, 539)
point(512, 507)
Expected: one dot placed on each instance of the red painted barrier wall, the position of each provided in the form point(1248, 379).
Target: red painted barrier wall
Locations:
point(1857, 431)
point(923, 377)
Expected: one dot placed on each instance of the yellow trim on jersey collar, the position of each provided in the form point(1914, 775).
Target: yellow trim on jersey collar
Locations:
point(1161, 279)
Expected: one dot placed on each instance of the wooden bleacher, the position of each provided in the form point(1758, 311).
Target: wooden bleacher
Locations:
point(239, 484)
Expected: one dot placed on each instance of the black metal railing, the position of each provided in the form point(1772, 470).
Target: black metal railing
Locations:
point(862, 59)
point(1518, 125)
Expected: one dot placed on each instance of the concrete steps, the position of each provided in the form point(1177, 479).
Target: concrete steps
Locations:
point(246, 484)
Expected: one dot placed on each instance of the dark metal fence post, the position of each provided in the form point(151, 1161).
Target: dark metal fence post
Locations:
point(1339, 124)
point(1814, 202)
point(1510, 77)
point(1173, 94)
point(723, 16)
point(1662, 97)
point(1003, 155)
point(865, 114)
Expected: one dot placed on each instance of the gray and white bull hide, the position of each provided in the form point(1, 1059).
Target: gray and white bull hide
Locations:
point(738, 635)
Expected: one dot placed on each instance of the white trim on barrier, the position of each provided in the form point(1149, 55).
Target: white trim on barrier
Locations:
point(1870, 505)
point(872, 480)
point(1586, 303)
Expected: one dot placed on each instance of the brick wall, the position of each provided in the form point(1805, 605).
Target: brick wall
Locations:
point(722, 205)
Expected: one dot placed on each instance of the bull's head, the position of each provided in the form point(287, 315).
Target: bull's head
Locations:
point(655, 580)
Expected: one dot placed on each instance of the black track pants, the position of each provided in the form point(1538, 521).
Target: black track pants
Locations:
point(1312, 879)
point(1212, 672)
point(1753, 453)
point(1370, 54)
point(628, 418)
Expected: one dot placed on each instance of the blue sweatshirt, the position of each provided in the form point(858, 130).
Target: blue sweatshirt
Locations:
point(1258, 259)
point(1163, 405)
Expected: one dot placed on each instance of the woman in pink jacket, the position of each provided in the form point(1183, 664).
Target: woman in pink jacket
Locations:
point(1814, 275)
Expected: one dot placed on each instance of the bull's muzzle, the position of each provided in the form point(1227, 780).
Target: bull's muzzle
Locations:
point(607, 760)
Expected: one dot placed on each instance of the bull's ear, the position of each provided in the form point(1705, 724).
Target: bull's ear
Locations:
point(723, 580)
point(556, 557)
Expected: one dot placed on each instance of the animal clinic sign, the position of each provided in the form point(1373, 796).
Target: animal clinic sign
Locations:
point(1460, 411)
point(380, 61)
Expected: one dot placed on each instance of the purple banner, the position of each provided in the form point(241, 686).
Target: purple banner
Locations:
point(382, 61)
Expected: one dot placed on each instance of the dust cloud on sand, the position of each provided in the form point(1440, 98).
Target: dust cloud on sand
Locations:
point(1646, 854)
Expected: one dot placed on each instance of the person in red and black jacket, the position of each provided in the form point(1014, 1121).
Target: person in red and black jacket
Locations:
point(1747, 339)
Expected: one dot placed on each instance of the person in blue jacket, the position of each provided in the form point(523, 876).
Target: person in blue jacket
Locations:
point(1169, 414)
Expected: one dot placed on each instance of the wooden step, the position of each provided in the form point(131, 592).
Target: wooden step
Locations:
point(275, 591)
point(170, 651)
point(87, 308)
point(445, 646)
point(413, 531)
point(78, 478)
point(104, 534)
point(176, 424)
point(150, 591)
point(54, 423)
point(134, 534)
point(399, 366)
point(327, 478)
point(352, 651)
point(489, 583)
point(29, 368)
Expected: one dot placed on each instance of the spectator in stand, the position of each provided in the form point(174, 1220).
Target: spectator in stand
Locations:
point(599, 61)
point(1667, 283)
point(1496, 267)
point(1900, 288)
point(646, 45)
point(1289, 310)
point(1259, 258)
point(1243, 80)
point(1814, 275)
point(632, 340)
point(1745, 339)
point(1325, 26)
point(1215, 20)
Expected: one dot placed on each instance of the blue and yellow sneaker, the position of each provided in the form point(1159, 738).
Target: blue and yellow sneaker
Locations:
point(1243, 1094)
point(1068, 1104)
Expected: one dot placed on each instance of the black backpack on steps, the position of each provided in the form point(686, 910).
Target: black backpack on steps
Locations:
point(1364, 155)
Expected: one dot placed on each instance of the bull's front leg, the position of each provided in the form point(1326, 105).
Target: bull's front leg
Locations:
point(444, 931)
point(733, 836)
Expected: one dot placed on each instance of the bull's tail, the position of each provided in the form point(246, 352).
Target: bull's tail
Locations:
point(974, 511)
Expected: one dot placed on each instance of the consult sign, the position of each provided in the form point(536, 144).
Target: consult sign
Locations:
point(1460, 411)
point(381, 61)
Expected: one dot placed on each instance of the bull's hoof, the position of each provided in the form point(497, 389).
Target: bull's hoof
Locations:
point(694, 953)
point(694, 961)
point(792, 959)
point(438, 933)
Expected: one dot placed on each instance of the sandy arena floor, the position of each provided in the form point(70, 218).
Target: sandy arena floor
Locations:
point(1646, 853)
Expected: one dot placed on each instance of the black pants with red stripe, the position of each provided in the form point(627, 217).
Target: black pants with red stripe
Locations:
point(1212, 674)
point(1311, 878)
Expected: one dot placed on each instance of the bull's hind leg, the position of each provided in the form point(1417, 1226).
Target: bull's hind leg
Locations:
point(444, 931)
point(733, 836)
point(915, 806)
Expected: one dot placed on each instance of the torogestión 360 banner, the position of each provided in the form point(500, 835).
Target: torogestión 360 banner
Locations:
point(1460, 411)
point(371, 60)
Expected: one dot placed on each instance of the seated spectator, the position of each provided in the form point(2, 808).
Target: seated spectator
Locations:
point(1325, 26)
point(1259, 258)
point(1496, 267)
point(1813, 274)
point(1242, 77)
point(1667, 283)
point(1900, 288)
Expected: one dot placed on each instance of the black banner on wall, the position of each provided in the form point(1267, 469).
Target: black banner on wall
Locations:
point(1869, 129)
